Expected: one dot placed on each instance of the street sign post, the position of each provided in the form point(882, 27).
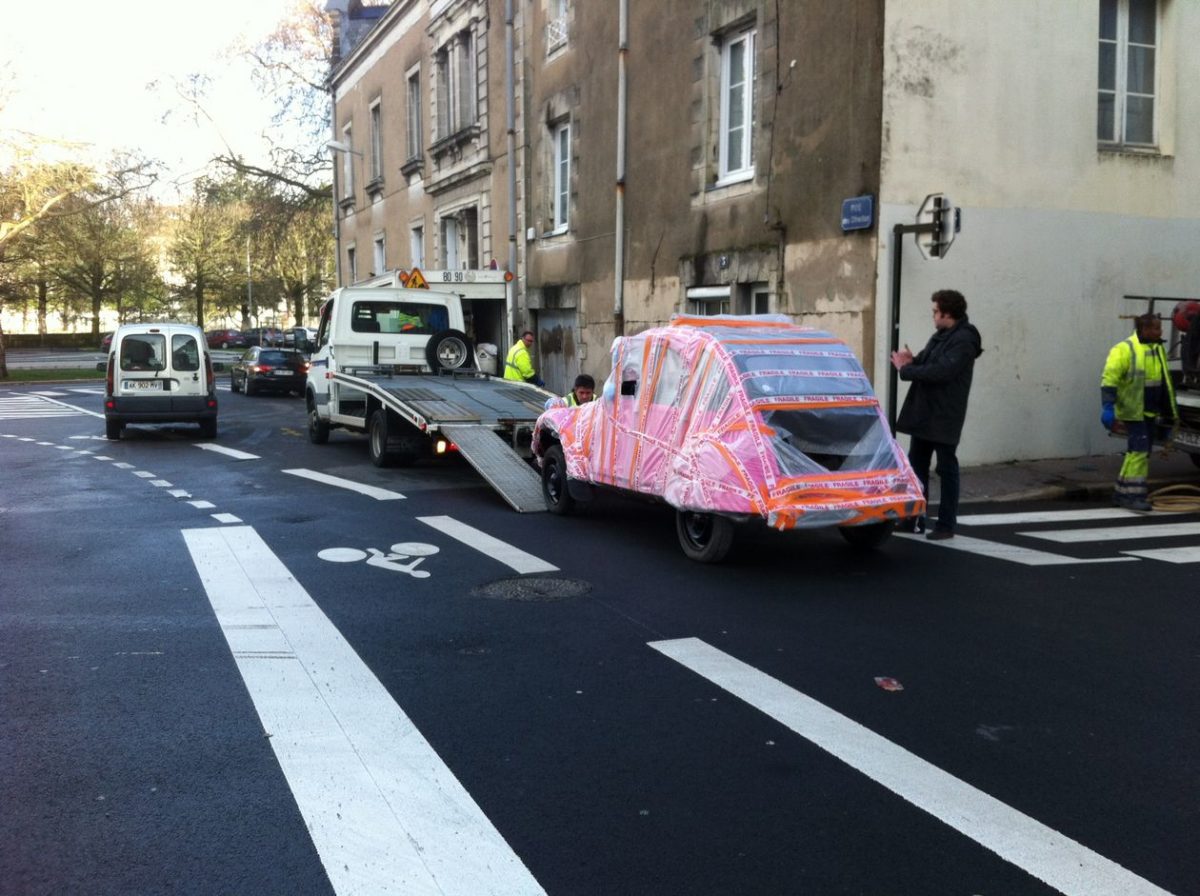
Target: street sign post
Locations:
point(938, 222)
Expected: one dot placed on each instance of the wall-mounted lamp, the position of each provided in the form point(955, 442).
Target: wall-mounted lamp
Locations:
point(339, 146)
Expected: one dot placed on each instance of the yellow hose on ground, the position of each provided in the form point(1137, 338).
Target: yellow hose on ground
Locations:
point(1176, 499)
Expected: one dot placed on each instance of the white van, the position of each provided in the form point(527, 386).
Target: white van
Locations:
point(159, 373)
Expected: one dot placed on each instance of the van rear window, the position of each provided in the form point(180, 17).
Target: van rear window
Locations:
point(185, 354)
point(143, 351)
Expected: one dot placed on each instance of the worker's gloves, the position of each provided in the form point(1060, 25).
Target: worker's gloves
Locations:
point(539, 382)
point(1108, 415)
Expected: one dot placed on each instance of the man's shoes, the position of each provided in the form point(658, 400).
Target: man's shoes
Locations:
point(939, 534)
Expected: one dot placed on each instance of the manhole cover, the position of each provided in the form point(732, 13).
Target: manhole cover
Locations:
point(533, 588)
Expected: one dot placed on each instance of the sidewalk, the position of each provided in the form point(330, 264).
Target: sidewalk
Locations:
point(1081, 478)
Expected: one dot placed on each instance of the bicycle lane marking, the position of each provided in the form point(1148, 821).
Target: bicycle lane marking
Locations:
point(385, 813)
point(1051, 857)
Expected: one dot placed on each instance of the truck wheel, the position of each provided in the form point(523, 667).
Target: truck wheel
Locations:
point(318, 429)
point(1195, 459)
point(377, 432)
point(555, 492)
point(449, 350)
point(704, 537)
point(208, 428)
point(871, 535)
point(113, 429)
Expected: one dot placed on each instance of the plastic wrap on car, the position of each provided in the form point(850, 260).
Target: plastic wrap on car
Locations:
point(744, 416)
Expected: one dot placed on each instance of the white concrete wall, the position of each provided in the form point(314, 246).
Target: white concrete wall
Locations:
point(994, 103)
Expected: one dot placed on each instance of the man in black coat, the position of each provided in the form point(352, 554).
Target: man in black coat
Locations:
point(936, 404)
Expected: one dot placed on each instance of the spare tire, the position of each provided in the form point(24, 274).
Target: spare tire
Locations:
point(449, 350)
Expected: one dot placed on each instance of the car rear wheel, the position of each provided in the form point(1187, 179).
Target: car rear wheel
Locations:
point(871, 535)
point(704, 537)
point(113, 429)
point(208, 428)
point(555, 490)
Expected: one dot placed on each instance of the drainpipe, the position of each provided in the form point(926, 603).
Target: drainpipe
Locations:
point(619, 272)
point(510, 102)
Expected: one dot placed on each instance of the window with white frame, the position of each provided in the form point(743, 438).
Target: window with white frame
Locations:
point(735, 139)
point(455, 65)
point(1128, 73)
point(416, 246)
point(376, 141)
point(380, 258)
point(460, 240)
point(414, 115)
point(347, 165)
point(351, 265)
point(704, 301)
point(561, 164)
point(556, 26)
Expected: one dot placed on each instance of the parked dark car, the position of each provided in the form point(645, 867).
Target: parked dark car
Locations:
point(262, 369)
point(264, 336)
point(226, 339)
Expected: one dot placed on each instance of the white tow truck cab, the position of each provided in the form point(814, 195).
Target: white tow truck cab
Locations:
point(400, 364)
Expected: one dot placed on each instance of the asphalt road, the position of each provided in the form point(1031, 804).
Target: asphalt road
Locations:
point(256, 665)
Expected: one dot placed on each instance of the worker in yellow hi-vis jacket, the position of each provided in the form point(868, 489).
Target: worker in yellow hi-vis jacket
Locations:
point(518, 365)
point(1136, 390)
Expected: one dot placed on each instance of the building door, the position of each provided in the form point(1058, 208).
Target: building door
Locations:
point(558, 360)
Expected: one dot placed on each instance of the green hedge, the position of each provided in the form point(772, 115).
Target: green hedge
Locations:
point(52, 340)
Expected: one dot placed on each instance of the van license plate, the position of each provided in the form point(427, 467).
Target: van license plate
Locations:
point(144, 385)
point(1190, 439)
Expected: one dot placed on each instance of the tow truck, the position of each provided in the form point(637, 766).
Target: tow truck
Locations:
point(409, 359)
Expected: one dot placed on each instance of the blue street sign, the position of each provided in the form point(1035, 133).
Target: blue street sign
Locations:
point(858, 213)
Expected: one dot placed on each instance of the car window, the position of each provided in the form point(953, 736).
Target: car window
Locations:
point(143, 351)
point(276, 357)
point(185, 354)
point(414, 318)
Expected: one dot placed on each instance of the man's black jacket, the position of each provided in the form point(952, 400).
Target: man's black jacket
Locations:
point(936, 404)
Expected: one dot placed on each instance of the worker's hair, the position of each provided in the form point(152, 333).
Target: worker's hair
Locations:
point(1144, 321)
point(525, 333)
point(585, 381)
point(951, 303)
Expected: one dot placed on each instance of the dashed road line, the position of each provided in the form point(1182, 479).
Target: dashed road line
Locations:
point(229, 452)
point(379, 494)
point(510, 556)
point(1051, 857)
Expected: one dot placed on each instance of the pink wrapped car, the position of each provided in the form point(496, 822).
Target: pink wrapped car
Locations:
point(731, 418)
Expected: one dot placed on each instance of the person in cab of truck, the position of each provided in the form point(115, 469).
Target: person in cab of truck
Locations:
point(583, 391)
point(936, 404)
point(1136, 393)
point(518, 365)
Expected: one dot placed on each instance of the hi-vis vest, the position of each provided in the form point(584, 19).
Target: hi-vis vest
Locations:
point(518, 365)
point(1132, 366)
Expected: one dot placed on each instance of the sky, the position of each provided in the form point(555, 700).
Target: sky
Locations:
point(104, 74)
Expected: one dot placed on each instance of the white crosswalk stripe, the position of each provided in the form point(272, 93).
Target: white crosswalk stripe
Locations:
point(1168, 528)
point(32, 407)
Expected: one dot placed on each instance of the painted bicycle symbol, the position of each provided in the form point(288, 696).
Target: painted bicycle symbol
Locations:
point(391, 560)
